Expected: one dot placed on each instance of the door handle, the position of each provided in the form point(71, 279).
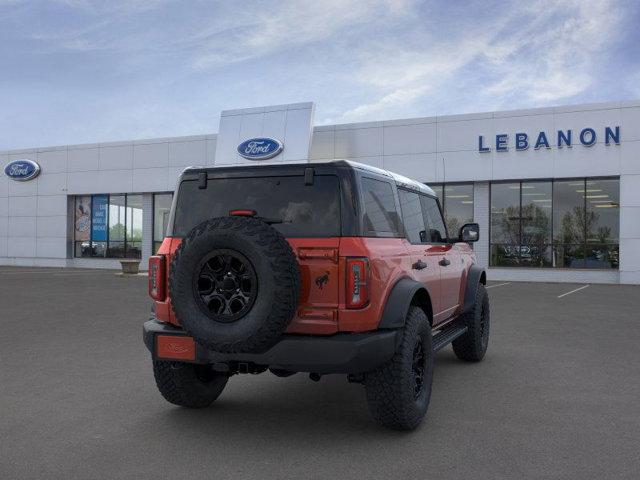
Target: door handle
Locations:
point(445, 262)
point(419, 265)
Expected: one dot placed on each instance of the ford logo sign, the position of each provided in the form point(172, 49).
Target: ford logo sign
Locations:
point(260, 148)
point(22, 170)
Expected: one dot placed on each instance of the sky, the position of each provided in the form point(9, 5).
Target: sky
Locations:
point(80, 71)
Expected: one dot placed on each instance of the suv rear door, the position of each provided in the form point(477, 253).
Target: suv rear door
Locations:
point(424, 258)
point(448, 256)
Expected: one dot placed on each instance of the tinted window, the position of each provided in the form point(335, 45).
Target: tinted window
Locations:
point(566, 223)
point(117, 216)
point(304, 210)
point(458, 206)
point(412, 216)
point(569, 223)
point(436, 231)
point(380, 215)
point(603, 211)
point(505, 213)
point(535, 243)
point(161, 211)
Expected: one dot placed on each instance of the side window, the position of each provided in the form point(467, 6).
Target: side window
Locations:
point(414, 222)
point(436, 231)
point(380, 215)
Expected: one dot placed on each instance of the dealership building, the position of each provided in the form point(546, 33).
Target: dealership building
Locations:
point(556, 190)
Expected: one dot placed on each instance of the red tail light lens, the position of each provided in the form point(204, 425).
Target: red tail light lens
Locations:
point(357, 282)
point(242, 213)
point(157, 277)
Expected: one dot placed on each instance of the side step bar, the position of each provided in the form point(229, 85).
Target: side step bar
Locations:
point(447, 335)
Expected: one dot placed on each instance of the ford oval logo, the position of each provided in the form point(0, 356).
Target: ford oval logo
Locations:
point(22, 170)
point(260, 148)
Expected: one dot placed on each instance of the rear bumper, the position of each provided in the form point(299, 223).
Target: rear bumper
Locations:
point(339, 353)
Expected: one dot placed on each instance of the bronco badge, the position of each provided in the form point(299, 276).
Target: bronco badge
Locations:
point(322, 280)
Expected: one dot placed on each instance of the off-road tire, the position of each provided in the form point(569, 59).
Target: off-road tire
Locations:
point(277, 276)
point(472, 346)
point(390, 389)
point(188, 385)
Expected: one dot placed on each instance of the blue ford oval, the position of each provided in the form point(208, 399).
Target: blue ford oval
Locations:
point(22, 170)
point(260, 148)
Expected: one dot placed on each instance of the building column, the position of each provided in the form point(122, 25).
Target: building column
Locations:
point(147, 229)
point(481, 215)
point(629, 229)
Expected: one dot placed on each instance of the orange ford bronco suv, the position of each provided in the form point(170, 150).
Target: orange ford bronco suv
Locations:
point(322, 268)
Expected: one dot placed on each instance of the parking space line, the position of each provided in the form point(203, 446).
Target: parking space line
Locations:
point(573, 291)
point(498, 285)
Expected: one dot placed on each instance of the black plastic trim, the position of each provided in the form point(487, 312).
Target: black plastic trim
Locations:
point(473, 280)
point(397, 306)
point(339, 353)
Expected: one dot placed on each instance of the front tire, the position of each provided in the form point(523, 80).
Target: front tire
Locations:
point(472, 346)
point(398, 392)
point(188, 385)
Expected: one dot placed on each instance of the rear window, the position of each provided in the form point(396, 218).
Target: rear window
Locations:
point(304, 210)
point(380, 214)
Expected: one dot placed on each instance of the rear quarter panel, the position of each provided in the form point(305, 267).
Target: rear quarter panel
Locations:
point(322, 261)
point(389, 261)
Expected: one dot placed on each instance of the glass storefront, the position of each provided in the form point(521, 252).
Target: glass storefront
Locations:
point(457, 204)
point(108, 226)
point(533, 223)
point(161, 210)
point(562, 224)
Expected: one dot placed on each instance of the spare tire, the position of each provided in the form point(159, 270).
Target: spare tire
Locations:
point(234, 284)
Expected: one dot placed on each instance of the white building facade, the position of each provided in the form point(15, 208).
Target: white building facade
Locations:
point(556, 191)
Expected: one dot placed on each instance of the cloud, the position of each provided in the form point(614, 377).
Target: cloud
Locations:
point(541, 53)
point(555, 63)
point(255, 33)
point(124, 69)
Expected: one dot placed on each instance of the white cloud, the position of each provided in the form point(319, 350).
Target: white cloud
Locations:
point(543, 52)
point(258, 32)
point(554, 63)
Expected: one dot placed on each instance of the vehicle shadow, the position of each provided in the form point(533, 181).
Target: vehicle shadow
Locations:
point(257, 406)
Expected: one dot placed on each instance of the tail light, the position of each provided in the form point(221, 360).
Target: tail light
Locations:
point(357, 282)
point(157, 277)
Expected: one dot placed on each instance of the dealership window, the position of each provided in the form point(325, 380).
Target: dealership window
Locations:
point(563, 224)
point(108, 226)
point(161, 210)
point(457, 204)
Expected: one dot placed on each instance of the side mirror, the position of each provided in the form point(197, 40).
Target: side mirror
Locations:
point(470, 232)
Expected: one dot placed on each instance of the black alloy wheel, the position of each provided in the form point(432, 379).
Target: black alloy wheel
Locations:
point(418, 368)
point(225, 285)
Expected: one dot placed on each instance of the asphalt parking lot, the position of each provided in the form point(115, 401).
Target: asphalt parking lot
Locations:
point(558, 396)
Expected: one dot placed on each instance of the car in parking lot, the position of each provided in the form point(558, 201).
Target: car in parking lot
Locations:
point(330, 268)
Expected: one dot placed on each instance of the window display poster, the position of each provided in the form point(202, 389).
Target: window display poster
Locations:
point(83, 219)
point(99, 220)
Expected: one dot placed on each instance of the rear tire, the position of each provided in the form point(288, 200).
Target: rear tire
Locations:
point(472, 346)
point(188, 385)
point(398, 392)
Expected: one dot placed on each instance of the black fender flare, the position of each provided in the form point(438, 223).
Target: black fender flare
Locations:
point(475, 277)
point(399, 300)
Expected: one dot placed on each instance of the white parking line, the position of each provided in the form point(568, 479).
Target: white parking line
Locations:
point(573, 291)
point(498, 285)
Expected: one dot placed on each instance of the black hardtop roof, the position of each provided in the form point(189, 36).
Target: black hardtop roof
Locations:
point(298, 168)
